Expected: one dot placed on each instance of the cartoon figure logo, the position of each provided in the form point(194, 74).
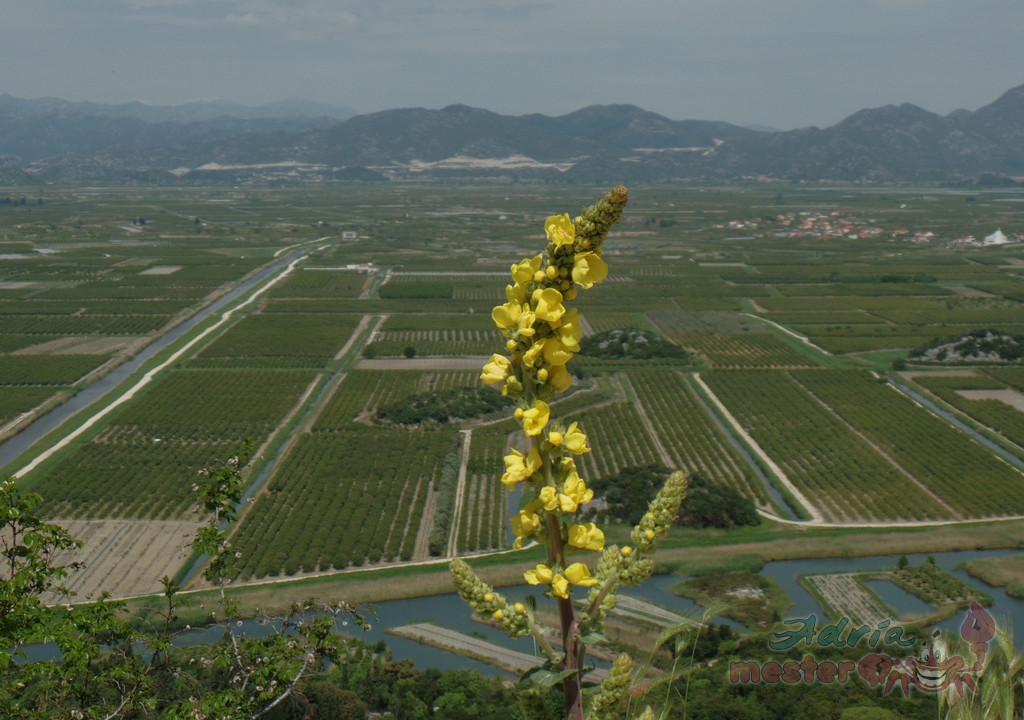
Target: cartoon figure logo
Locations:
point(934, 670)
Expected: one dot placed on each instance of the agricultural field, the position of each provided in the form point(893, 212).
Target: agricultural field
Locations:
point(793, 306)
point(982, 396)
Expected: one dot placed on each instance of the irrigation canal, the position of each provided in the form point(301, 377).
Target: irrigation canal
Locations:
point(45, 424)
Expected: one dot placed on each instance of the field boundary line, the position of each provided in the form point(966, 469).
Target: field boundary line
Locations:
point(802, 338)
point(759, 451)
point(460, 493)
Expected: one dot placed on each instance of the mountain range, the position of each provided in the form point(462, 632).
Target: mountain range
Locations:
point(58, 141)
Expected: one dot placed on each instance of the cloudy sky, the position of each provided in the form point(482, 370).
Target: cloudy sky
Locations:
point(780, 63)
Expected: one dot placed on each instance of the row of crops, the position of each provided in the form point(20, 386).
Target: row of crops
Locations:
point(342, 499)
point(956, 468)
point(831, 462)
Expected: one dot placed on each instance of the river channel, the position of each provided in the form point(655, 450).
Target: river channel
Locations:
point(448, 610)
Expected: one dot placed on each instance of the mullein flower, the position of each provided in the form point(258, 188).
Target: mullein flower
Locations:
point(560, 230)
point(588, 269)
point(574, 440)
point(496, 370)
point(586, 537)
point(541, 336)
point(536, 418)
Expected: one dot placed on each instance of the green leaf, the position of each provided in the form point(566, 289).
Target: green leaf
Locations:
point(545, 676)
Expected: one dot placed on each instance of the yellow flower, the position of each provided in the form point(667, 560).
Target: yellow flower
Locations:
point(586, 537)
point(498, 614)
point(524, 523)
point(554, 353)
point(589, 269)
point(518, 467)
point(555, 438)
point(507, 316)
point(579, 574)
point(531, 355)
point(541, 575)
point(560, 230)
point(496, 370)
point(575, 440)
point(536, 418)
point(577, 491)
point(548, 304)
point(560, 586)
point(548, 497)
point(522, 271)
point(515, 293)
point(569, 331)
point(559, 378)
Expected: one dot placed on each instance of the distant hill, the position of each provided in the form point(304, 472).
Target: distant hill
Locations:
point(56, 141)
point(35, 129)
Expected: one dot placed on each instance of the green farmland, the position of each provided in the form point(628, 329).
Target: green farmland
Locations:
point(799, 310)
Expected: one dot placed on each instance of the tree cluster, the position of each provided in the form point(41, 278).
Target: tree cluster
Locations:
point(707, 504)
point(442, 406)
point(630, 344)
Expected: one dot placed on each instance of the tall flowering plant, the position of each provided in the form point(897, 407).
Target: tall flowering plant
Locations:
point(541, 336)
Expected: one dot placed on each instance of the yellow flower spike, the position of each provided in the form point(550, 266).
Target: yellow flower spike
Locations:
point(541, 575)
point(586, 537)
point(536, 418)
point(589, 269)
point(522, 271)
point(560, 230)
point(575, 440)
point(548, 304)
point(555, 353)
point(579, 574)
point(496, 370)
point(560, 586)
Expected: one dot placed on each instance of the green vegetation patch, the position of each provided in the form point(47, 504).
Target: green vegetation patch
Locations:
point(987, 345)
point(417, 290)
point(751, 598)
point(630, 344)
point(460, 403)
point(1005, 572)
point(46, 369)
point(936, 586)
